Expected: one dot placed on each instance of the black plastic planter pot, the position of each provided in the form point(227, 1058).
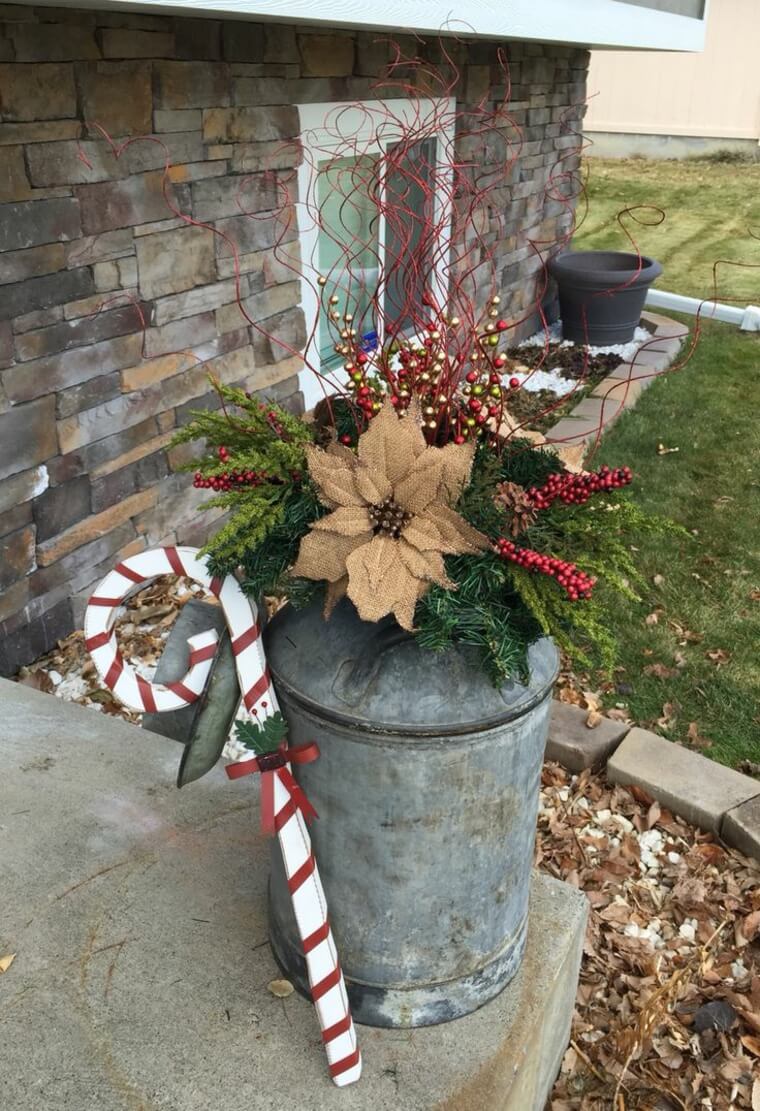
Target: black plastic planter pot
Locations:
point(602, 294)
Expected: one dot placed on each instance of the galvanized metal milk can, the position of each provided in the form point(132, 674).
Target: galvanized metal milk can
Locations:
point(427, 793)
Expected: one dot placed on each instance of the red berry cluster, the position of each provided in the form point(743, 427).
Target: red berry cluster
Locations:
point(576, 489)
point(577, 584)
point(229, 480)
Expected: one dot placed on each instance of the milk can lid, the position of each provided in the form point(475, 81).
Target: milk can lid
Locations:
point(378, 678)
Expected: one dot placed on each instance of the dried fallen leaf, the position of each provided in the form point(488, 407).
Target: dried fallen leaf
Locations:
point(593, 718)
point(756, 1095)
point(695, 738)
point(658, 580)
point(6, 962)
point(718, 656)
point(280, 989)
point(752, 1044)
point(662, 450)
point(660, 671)
point(750, 926)
point(616, 713)
point(38, 680)
point(652, 618)
point(669, 711)
point(684, 635)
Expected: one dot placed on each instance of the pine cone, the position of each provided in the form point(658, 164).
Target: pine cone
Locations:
point(517, 504)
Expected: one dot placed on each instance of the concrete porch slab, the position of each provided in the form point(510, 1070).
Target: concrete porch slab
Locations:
point(138, 917)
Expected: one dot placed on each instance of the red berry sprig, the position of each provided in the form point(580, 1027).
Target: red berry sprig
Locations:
point(228, 480)
point(576, 583)
point(576, 489)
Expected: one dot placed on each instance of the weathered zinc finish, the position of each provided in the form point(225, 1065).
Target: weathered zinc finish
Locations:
point(427, 791)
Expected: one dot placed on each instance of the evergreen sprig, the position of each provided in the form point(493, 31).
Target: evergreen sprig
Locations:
point(259, 437)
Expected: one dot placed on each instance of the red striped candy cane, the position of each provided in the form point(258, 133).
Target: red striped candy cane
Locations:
point(328, 989)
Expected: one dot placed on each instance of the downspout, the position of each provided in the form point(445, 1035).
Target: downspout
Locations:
point(748, 319)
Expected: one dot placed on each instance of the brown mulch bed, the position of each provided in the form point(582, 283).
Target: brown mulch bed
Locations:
point(668, 1007)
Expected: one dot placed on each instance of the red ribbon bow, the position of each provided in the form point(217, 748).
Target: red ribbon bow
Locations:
point(271, 764)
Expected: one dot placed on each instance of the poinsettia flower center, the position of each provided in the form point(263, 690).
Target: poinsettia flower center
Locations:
point(388, 518)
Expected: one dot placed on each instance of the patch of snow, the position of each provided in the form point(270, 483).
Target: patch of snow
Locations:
point(73, 687)
point(551, 380)
point(626, 351)
point(42, 481)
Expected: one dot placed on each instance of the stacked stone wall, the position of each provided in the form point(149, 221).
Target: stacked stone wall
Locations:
point(113, 312)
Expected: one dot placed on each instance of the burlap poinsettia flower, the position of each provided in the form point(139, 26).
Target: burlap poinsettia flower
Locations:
point(391, 521)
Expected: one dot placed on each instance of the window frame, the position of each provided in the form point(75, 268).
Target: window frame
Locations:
point(321, 144)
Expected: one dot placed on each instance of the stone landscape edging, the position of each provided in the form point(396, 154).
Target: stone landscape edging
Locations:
point(709, 795)
point(706, 794)
point(621, 389)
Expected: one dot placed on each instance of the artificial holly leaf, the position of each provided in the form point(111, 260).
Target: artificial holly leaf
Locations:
point(262, 736)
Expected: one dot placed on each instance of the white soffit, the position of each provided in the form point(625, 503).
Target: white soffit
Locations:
point(597, 23)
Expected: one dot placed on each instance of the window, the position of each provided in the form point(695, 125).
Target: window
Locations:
point(359, 161)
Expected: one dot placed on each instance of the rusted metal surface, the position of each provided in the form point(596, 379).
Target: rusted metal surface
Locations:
point(427, 791)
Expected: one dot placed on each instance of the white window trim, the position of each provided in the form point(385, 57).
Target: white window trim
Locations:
point(321, 143)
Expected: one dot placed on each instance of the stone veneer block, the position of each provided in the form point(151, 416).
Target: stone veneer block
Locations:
point(41, 92)
point(50, 551)
point(240, 125)
point(174, 261)
point(326, 55)
point(118, 96)
point(193, 84)
point(16, 555)
point(27, 436)
point(698, 789)
point(51, 42)
point(26, 381)
point(573, 745)
point(102, 836)
point(121, 43)
point(30, 223)
point(741, 826)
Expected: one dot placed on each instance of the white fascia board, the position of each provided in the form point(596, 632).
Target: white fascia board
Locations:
point(593, 23)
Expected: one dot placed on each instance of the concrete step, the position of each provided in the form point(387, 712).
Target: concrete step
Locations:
point(138, 916)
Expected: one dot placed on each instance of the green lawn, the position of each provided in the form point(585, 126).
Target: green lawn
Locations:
point(710, 207)
point(694, 641)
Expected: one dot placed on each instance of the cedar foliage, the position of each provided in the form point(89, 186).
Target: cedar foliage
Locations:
point(281, 502)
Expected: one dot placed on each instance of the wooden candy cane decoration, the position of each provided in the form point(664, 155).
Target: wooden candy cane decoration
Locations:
point(328, 989)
